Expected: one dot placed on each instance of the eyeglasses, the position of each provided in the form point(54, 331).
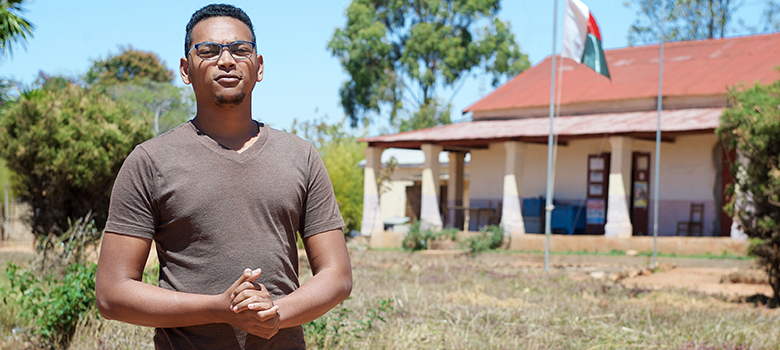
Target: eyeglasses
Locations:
point(210, 51)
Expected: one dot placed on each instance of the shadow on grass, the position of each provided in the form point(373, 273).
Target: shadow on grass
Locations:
point(760, 300)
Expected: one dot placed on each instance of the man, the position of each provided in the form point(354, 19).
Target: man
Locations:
point(223, 197)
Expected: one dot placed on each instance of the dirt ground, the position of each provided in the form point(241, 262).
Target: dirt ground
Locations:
point(703, 279)
point(726, 277)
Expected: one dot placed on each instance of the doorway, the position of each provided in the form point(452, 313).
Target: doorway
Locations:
point(598, 186)
point(640, 190)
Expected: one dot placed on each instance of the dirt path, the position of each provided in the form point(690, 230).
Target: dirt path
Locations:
point(702, 275)
point(702, 279)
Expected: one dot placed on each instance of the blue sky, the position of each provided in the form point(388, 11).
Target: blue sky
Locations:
point(301, 78)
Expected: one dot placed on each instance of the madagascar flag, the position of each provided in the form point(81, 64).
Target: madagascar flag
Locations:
point(582, 37)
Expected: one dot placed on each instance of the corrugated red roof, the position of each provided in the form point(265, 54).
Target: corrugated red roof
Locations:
point(692, 68)
point(481, 133)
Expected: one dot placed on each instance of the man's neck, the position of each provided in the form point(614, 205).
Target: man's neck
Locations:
point(233, 128)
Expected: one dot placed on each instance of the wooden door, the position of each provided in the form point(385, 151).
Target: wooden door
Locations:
point(640, 192)
point(598, 187)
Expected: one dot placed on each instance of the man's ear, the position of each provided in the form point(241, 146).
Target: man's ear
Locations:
point(184, 70)
point(259, 68)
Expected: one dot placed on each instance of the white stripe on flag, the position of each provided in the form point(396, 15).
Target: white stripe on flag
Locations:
point(575, 29)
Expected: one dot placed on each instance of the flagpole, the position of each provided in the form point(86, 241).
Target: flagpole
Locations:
point(658, 135)
point(548, 202)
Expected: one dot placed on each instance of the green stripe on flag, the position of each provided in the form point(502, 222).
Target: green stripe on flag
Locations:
point(593, 55)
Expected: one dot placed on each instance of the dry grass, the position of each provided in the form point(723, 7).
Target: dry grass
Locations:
point(494, 302)
point(746, 276)
point(95, 332)
point(491, 302)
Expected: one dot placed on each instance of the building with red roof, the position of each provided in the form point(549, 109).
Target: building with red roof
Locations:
point(605, 155)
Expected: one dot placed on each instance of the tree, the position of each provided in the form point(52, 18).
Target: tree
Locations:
point(751, 126)
point(66, 144)
point(141, 80)
point(398, 53)
point(13, 28)
point(6, 86)
point(340, 152)
point(684, 20)
point(771, 17)
point(166, 104)
point(128, 66)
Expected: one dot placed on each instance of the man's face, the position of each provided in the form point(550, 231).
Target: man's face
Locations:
point(225, 80)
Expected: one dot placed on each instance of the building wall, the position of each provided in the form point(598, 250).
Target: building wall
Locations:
point(392, 199)
point(688, 175)
point(572, 168)
point(487, 171)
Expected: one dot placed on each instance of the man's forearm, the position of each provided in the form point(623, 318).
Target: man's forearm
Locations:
point(146, 305)
point(314, 298)
point(330, 285)
point(122, 296)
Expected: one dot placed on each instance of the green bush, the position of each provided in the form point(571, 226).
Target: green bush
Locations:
point(340, 152)
point(337, 328)
point(54, 306)
point(58, 289)
point(488, 238)
point(420, 239)
point(753, 245)
point(750, 128)
point(65, 144)
point(446, 234)
point(416, 238)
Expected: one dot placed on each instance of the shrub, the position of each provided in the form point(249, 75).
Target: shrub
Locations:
point(58, 289)
point(751, 127)
point(419, 239)
point(447, 234)
point(416, 238)
point(53, 306)
point(340, 152)
point(488, 238)
point(66, 144)
point(337, 328)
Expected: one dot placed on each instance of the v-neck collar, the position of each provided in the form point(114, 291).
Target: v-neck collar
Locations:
point(216, 147)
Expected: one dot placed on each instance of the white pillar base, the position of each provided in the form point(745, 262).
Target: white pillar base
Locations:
point(429, 201)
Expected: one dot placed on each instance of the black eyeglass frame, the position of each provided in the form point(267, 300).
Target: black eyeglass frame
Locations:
point(222, 48)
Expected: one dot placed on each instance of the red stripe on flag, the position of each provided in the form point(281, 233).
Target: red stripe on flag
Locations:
point(593, 28)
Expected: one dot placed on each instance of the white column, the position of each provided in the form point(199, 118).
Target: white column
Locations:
point(372, 214)
point(511, 213)
point(455, 185)
point(429, 206)
point(618, 216)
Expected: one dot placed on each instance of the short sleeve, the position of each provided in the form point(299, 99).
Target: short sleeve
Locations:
point(131, 211)
point(321, 211)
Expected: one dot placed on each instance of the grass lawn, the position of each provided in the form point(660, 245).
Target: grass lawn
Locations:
point(404, 300)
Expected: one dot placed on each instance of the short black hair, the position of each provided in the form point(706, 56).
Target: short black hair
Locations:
point(216, 10)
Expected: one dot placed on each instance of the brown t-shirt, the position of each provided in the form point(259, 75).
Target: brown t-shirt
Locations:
point(214, 212)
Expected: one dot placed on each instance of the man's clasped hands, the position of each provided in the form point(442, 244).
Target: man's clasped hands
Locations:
point(253, 304)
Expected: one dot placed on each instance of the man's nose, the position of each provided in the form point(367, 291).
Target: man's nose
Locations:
point(226, 58)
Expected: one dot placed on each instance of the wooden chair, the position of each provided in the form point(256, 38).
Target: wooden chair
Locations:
point(694, 225)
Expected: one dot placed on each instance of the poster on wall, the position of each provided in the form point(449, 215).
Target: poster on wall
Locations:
point(640, 194)
point(596, 176)
point(596, 163)
point(595, 213)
